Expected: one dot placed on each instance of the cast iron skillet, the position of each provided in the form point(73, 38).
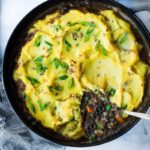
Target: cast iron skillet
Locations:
point(17, 39)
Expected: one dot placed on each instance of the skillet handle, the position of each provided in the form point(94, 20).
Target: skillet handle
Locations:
point(141, 8)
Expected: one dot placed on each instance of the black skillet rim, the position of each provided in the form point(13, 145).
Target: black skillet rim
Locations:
point(32, 13)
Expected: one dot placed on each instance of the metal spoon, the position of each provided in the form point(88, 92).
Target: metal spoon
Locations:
point(136, 114)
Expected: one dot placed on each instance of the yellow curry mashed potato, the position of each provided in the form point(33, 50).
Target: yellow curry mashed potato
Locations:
point(73, 52)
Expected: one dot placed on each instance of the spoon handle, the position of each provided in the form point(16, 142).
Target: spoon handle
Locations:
point(136, 114)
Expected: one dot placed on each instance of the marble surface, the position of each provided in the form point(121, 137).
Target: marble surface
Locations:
point(12, 11)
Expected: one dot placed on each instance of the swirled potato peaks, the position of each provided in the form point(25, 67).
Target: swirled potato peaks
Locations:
point(77, 52)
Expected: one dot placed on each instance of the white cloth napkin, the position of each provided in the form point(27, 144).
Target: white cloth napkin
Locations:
point(13, 134)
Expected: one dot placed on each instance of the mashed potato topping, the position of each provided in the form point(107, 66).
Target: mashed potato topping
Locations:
point(75, 52)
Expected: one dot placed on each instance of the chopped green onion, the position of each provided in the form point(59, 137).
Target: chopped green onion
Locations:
point(103, 49)
point(125, 106)
point(32, 107)
point(58, 88)
point(38, 41)
point(39, 67)
point(108, 107)
point(88, 33)
point(71, 83)
point(87, 24)
point(123, 38)
point(65, 66)
point(42, 107)
point(98, 44)
point(63, 77)
point(25, 96)
point(50, 46)
point(48, 43)
point(75, 122)
point(68, 45)
point(33, 80)
point(73, 24)
point(57, 27)
point(50, 61)
point(112, 92)
point(39, 59)
point(56, 64)
point(50, 89)
point(87, 37)
point(99, 127)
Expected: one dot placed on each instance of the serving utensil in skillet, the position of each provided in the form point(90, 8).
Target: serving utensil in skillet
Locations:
point(137, 114)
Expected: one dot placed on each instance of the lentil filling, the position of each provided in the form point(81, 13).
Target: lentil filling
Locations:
point(99, 116)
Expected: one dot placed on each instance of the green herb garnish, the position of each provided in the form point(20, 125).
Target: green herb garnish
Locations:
point(74, 121)
point(103, 49)
point(125, 106)
point(68, 45)
point(39, 67)
point(123, 38)
point(57, 27)
point(108, 107)
point(50, 61)
point(71, 83)
point(99, 127)
point(33, 80)
point(39, 59)
point(64, 66)
point(88, 33)
point(63, 77)
point(25, 96)
point(50, 89)
point(73, 24)
point(32, 107)
point(57, 88)
point(99, 45)
point(112, 92)
point(87, 24)
point(50, 46)
point(38, 41)
point(58, 63)
point(42, 107)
